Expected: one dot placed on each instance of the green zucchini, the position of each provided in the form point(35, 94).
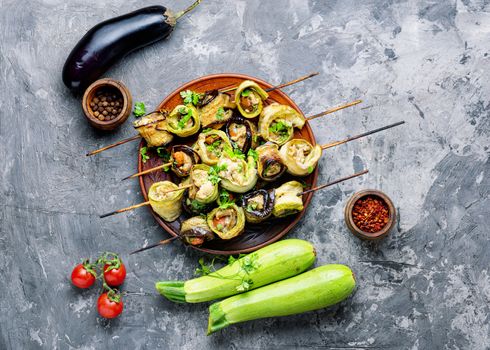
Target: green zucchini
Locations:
point(275, 262)
point(312, 290)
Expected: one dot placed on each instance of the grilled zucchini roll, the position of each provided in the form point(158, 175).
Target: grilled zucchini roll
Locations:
point(203, 190)
point(166, 204)
point(153, 128)
point(249, 98)
point(288, 201)
point(300, 156)
point(277, 123)
point(237, 175)
point(184, 121)
point(210, 146)
point(227, 223)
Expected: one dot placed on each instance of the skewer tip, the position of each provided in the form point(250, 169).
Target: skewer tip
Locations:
point(107, 214)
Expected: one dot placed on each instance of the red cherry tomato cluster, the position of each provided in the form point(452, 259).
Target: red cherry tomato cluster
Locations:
point(112, 272)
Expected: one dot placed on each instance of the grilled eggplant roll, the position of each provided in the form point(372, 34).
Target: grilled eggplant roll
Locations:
point(153, 128)
point(277, 123)
point(183, 158)
point(184, 121)
point(194, 207)
point(237, 175)
point(210, 146)
point(203, 190)
point(242, 133)
point(288, 201)
point(217, 111)
point(300, 156)
point(258, 205)
point(270, 166)
point(166, 205)
point(227, 223)
point(249, 98)
point(195, 231)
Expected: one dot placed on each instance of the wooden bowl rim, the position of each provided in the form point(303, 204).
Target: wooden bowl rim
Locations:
point(126, 108)
point(350, 220)
point(307, 200)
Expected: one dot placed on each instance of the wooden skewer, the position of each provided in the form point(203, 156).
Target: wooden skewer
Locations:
point(147, 171)
point(335, 109)
point(333, 182)
point(336, 143)
point(136, 137)
point(280, 86)
point(141, 204)
point(165, 241)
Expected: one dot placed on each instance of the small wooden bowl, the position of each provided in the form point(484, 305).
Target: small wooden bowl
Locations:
point(349, 220)
point(121, 117)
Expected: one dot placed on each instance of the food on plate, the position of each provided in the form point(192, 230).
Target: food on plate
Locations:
point(242, 133)
point(270, 165)
point(287, 199)
point(184, 121)
point(227, 222)
point(165, 203)
point(195, 231)
point(83, 275)
point(153, 128)
point(211, 144)
point(203, 190)
point(109, 41)
point(277, 123)
point(237, 175)
point(275, 262)
point(258, 205)
point(300, 156)
point(183, 158)
point(249, 98)
point(316, 289)
point(215, 110)
point(110, 305)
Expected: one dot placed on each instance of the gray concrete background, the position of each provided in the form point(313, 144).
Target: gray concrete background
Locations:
point(427, 62)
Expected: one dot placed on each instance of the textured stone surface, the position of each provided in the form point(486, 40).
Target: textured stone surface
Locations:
point(427, 62)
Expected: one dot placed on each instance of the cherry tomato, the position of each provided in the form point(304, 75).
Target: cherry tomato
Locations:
point(114, 277)
point(81, 277)
point(108, 308)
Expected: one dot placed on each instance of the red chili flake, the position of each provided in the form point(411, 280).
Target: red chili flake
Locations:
point(370, 214)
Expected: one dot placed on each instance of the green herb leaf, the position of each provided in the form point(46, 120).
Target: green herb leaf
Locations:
point(219, 227)
point(190, 97)
point(253, 153)
point(197, 206)
point(251, 207)
point(163, 153)
point(234, 153)
point(250, 263)
point(183, 121)
point(144, 155)
point(220, 113)
point(246, 92)
point(213, 174)
point(139, 109)
point(207, 130)
point(245, 285)
point(310, 169)
point(224, 199)
point(204, 269)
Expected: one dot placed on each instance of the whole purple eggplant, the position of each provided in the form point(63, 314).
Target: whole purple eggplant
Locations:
point(109, 41)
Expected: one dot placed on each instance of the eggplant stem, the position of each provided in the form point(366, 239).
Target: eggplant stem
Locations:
point(190, 8)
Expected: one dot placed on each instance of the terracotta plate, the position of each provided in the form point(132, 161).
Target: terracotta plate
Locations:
point(255, 236)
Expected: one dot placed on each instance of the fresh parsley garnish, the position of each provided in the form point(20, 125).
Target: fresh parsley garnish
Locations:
point(190, 97)
point(224, 199)
point(197, 206)
point(251, 207)
point(246, 92)
point(144, 155)
point(254, 154)
point(220, 113)
point(213, 174)
point(163, 153)
point(204, 269)
point(310, 169)
point(183, 121)
point(234, 153)
point(139, 109)
point(207, 130)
